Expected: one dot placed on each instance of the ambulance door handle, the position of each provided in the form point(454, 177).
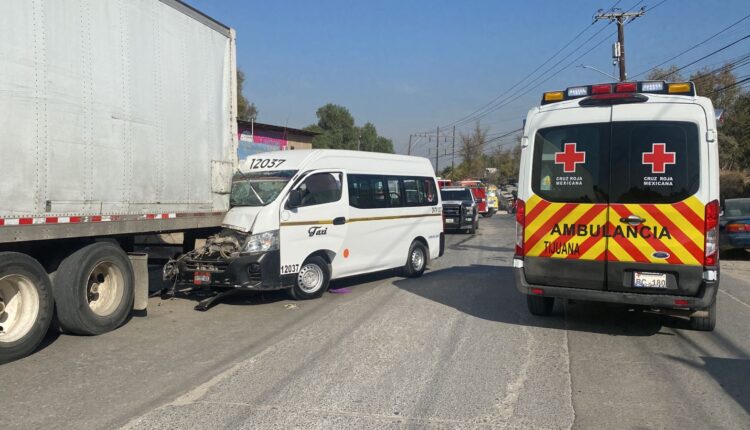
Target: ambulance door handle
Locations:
point(632, 220)
point(339, 221)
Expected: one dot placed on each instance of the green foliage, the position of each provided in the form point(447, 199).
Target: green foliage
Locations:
point(733, 184)
point(338, 131)
point(246, 111)
point(669, 74)
point(707, 83)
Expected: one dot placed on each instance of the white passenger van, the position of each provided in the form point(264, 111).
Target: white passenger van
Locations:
point(618, 199)
point(299, 219)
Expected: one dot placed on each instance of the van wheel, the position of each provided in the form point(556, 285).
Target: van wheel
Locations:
point(94, 289)
point(540, 306)
point(416, 262)
point(312, 279)
point(26, 305)
point(707, 323)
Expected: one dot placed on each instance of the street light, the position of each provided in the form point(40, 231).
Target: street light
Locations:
point(597, 70)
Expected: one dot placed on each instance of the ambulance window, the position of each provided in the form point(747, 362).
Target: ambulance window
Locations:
point(571, 164)
point(654, 161)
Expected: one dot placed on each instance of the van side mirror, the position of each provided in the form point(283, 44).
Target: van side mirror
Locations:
point(295, 198)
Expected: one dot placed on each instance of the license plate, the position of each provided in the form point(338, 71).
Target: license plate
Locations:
point(450, 221)
point(649, 280)
point(201, 278)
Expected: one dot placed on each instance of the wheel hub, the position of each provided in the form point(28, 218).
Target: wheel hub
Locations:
point(19, 307)
point(2, 307)
point(105, 288)
point(417, 259)
point(310, 278)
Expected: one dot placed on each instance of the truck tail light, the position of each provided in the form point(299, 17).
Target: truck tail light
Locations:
point(520, 224)
point(711, 257)
point(737, 228)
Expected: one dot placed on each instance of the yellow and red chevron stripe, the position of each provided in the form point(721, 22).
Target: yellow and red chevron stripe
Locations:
point(683, 221)
point(671, 233)
point(541, 237)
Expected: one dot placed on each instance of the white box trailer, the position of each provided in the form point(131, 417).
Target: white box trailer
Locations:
point(117, 118)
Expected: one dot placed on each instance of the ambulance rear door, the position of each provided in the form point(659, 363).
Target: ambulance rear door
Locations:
point(565, 213)
point(658, 191)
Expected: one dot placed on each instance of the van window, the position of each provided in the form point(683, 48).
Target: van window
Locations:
point(571, 162)
point(419, 191)
point(367, 191)
point(655, 161)
point(395, 196)
point(321, 188)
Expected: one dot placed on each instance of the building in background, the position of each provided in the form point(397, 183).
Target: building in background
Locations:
point(258, 137)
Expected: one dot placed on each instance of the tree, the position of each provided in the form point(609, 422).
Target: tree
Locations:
point(472, 151)
point(246, 111)
point(708, 82)
point(670, 74)
point(337, 131)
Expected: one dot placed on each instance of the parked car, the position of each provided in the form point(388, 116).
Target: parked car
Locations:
point(460, 209)
point(734, 225)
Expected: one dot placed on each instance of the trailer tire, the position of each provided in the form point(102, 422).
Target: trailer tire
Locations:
point(94, 289)
point(312, 279)
point(707, 323)
point(416, 261)
point(24, 285)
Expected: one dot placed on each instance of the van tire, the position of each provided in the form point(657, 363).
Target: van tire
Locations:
point(540, 306)
point(707, 323)
point(94, 289)
point(28, 283)
point(416, 260)
point(473, 228)
point(312, 279)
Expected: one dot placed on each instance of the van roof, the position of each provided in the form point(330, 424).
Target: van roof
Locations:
point(352, 161)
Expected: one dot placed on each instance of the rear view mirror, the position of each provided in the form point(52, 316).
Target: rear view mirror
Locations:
point(295, 198)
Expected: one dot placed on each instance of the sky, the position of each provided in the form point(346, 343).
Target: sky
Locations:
point(409, 66)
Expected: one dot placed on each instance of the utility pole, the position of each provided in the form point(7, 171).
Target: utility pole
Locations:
point(437, 152)
point(453, 157)
point(621, 18)
point(409, 152)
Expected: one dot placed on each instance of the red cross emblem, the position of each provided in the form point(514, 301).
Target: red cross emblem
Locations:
point(658, 158)
point(569, 158)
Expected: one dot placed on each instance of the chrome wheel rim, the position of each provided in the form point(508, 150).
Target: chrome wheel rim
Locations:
point(105, 287)
point(417, 259)
point(310, 278)
point(20, 302)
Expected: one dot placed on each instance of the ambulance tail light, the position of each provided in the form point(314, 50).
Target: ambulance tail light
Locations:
point(711, 257)
point(520, 224)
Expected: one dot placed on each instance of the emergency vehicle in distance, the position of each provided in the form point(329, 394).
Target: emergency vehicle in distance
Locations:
point(618, 199)
point(479, 190)
point(299, 219)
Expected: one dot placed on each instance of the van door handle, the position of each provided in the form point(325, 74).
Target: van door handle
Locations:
point(632, 220)
point(339, 221)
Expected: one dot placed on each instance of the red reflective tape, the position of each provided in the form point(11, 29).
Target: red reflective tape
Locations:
point(50, 220)
point(538, 209)
point(676, 233)
point(150, 216)
point(692, 217)
point(165, 216)
point(2, 222)
point(628, 246)
point(96, 218)
point(547, 226)
point(26, 221)
point(586, 218)
point(75, 219)
point(655, 243)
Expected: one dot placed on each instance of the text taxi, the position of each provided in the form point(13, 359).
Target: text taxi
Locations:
point(618, 199)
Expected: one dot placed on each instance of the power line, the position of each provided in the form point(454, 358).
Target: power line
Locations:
point(708, 55)
point(694, 46)
point(730, 86)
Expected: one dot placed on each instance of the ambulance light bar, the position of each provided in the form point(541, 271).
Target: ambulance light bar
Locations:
point(619, 90)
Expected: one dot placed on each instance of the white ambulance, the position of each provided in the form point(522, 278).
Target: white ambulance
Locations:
point(299, 219)
point(618, 199)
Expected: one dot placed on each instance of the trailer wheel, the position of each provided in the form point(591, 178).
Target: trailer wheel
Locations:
point(416, 262)
point(94, 289)
point(312, 279)
point(707, 323)
point(26, 305)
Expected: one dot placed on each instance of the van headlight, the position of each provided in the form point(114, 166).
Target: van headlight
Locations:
point(262, 242)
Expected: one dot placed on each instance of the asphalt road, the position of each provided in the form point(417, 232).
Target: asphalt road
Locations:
point(454, 349)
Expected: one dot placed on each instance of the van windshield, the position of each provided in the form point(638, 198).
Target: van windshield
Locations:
point(258, 189)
